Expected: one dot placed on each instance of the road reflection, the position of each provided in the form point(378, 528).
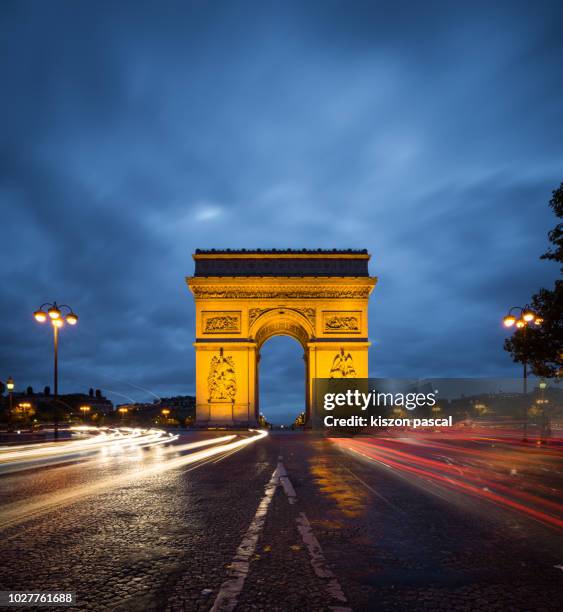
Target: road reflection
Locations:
point(350, 499)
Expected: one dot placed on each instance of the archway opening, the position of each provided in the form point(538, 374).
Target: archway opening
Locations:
point(281, 376)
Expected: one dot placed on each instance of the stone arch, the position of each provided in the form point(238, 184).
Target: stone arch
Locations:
point(243, 297)
point(282, 321)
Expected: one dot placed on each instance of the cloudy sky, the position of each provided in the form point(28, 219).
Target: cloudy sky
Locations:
point(133, 133)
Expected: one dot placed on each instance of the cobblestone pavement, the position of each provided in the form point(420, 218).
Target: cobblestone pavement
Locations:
point(337, 532)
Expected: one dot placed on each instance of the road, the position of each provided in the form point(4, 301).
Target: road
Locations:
point(286, 522)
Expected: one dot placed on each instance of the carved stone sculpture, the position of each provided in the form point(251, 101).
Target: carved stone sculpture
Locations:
point(222, 380)
point(342, 366)
point(342, 323)
point(225, 323)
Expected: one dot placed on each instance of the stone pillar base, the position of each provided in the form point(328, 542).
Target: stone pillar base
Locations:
point(224, 414)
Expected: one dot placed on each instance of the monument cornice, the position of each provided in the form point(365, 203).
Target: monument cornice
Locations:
point(281, 287)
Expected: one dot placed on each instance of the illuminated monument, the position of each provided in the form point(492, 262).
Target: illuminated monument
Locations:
point(243, 297)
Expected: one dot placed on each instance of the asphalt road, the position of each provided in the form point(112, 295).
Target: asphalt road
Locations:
point(289, 522)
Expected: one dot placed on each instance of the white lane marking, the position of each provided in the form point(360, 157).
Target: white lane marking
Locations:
point(318, 561)
point(316, 555)
point(238, 570)
point(286, 484)
point(231, 588)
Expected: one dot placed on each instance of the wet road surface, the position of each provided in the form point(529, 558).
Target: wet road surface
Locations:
point(289, 522)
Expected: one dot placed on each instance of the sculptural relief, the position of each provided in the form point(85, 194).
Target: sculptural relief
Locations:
point(337, 322)
point(221, 380)
point(342, 366)
point(281, 292)
point(226, 322)
point(254, 313)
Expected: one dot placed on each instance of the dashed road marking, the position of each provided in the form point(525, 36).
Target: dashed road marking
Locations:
point(286, 484)
point(231, 588)
point(318, 561)
point(238, 570)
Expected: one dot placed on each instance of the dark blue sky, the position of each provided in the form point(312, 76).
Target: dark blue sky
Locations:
point(132, 133)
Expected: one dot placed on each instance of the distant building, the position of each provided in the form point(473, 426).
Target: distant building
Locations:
point(180, 408)
point(70, 401)
point(178, 402)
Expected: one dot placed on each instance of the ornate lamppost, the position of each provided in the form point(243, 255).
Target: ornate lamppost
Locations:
point(545, 419)
point(58, 316)
point(526, 317)
point(10, 385)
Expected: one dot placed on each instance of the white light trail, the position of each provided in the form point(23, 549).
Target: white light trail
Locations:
point(20, 511)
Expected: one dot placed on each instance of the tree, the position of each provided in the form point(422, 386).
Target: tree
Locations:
point(542, 346)
point(29, 390)
point(47, 390)
point(91, 392)
point(556, 234)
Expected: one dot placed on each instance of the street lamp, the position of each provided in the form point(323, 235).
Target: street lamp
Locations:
point(10, 385)
point(122, 411)
point(545, 418)
point(56, 315)
point(526, 317)
point(84, 410)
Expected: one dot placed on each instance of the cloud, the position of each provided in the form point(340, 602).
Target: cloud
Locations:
point(207, 212)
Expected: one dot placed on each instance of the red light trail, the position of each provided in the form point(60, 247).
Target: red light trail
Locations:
point(488, 473)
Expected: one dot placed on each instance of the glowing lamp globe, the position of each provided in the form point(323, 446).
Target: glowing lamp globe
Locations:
point(71, 319)
point(528, 316)
point(509, 321)
point(40, 316)
point(54, 313)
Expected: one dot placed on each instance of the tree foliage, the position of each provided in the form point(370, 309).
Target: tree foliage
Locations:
point(542, 346)
point(555, 236)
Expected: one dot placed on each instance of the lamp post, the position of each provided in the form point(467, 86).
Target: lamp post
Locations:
point(10, 385)
point(165, 412)
point(56, 315)
point(526, 317)
point(85, 410)
point(545, 420)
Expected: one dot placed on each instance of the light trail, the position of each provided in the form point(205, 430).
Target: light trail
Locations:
point(488, 481)
point(115, 438)
point(18, 512)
